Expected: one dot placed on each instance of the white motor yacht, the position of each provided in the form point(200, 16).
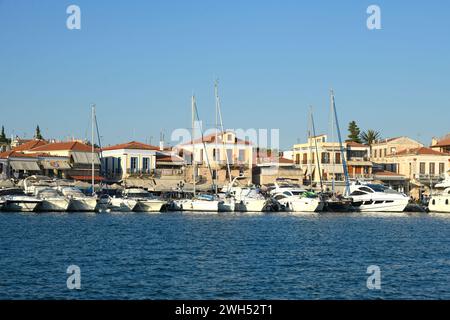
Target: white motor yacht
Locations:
point(116, 204)
point(14, 199)
point(78, 200)
point(143, 200)
point(202, 202)
point(293, 198)
point(440, 200)
point(247, 199)
point(51, 200)
point(370, 197)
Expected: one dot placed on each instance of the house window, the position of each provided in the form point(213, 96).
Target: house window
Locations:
point(146, 165)
point(313, 157)
point(422, 168)
point(385, 152)
point(305, 158)
point(297, 158)
point(441, 168)
point(230, 137)
point(214, 174)
point(230, 155)
point(119, 165)
point(241, 155)
point(216, 154)
point(325, 157)
point(134, 164)
point(432, 167)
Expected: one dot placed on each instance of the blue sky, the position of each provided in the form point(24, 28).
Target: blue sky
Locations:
point(140, 61)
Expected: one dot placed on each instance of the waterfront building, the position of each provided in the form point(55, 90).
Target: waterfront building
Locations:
point(217, 149)
point(320, 159)
point(139, 164)
point(441, 144)
point(74, 159)
point(422, 166)
point(387, 147)
point(268, 170)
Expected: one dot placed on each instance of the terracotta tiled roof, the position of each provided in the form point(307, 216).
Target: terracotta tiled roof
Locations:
point(442, 143)
point(131, 145)
point(30, 145)
point(421, 151)
point(168, 158)
point(16, 154)
point(64, 146)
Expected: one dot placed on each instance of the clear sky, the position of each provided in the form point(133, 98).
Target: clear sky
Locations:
point(140, 61)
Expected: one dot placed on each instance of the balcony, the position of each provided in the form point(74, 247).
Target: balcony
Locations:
point(140, 172)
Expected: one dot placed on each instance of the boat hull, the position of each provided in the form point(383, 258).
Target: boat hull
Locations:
point(302, 205)
point(59, 205)
point(20, 206)
point(198, 205)
point(121, 205)
point(251, 205)
point(85, 205)
point(366, 206)
point(149, 205)
point(439, 204)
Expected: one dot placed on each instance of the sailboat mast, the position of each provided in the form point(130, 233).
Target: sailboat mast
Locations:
point(223, 131)
point(344, 162)
point(93, 148)
point(192, 141)
point(217, 129)
point(333, 150)
point(317, 151)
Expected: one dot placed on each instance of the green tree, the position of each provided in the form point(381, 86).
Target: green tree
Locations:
point(38, 134)
point(369, 137)
point(354, 132)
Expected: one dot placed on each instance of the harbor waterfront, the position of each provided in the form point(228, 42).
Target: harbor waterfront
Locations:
point(225, 256)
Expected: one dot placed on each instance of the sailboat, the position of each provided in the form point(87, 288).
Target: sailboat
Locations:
point(333, 201)
point(200, 202)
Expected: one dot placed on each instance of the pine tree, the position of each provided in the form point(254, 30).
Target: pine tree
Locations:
point(38, 134)
point(354, 131)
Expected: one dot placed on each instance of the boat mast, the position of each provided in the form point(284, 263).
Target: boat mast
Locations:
point(222, 131)
point(317, 151)
point(192, 141)
point(344, 162)
point(216, 129)
point(93, 149)
point(333, 151)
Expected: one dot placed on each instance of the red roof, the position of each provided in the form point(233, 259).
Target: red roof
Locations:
point(64, 146)
point(169, 158)
point(421, 151)
point(131, 145)
point(30, 145)
point(15, 154)
point(443, 143)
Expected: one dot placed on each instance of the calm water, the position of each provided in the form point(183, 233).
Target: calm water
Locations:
point(194, 256)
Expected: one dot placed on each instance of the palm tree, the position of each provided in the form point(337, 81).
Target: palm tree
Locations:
point(369, 137)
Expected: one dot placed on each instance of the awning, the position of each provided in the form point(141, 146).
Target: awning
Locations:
point(55, 164)
point(87, 178)
point(85, 157)
point(25, 165)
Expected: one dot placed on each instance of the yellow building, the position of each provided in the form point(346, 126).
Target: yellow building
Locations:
point(387, 147)
point(320, 159)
